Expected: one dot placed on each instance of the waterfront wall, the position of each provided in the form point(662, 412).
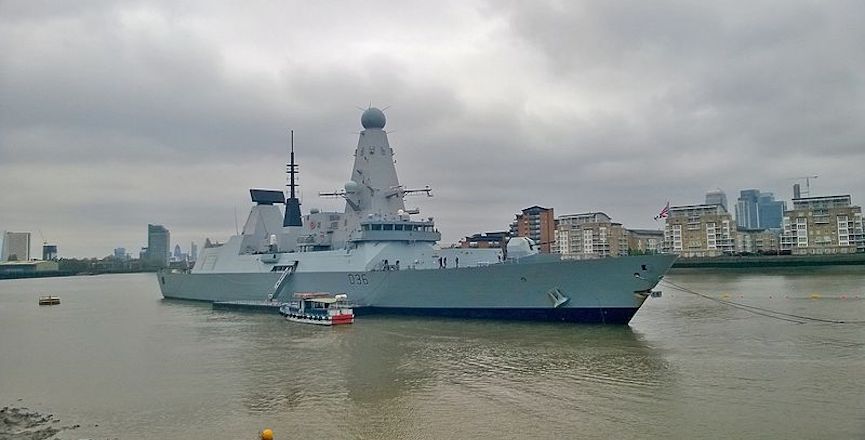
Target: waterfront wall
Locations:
point(773, 261)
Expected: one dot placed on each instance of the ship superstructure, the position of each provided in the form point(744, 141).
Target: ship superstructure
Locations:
point(386, 257)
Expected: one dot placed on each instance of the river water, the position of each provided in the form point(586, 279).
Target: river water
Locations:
point(116, 355)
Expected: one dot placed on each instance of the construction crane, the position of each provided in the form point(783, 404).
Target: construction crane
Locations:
point(807, 180)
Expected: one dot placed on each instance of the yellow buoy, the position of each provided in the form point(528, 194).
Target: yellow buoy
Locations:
point(815, 296)
point(266, 434)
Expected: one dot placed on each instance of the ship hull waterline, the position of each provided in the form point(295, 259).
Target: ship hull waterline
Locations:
point(607, 291)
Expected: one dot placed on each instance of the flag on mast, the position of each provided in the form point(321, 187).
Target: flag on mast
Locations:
point(664, 212)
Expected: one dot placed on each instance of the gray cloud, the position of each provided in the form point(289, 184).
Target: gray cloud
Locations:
point(117, 114)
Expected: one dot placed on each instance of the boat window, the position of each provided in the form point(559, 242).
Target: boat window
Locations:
point(388, 227)
point(397, 227)
point(376, 227)
point(365, 227)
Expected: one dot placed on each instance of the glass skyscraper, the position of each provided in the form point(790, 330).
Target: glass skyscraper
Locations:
point(758, 210)
point(717, 197)
point(158, 240)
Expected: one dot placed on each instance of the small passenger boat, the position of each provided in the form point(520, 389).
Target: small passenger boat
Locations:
point(318, 308)
point(49, 300)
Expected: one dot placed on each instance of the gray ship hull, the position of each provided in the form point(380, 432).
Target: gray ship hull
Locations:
point(609, 290)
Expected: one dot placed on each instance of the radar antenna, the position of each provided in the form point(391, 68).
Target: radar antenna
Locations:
point(402, 192)
point(291, 169)
point(292, 204)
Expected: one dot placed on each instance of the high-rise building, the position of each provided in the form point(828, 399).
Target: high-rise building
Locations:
point(537, 223)
point(699, 231)
point(747, 212)
point(158, 246)
point(771, 211)
point(120, 253)
point(16, 246)
point(717, 197)
point(193, 251)
point(758, 210)
point(823, 225)
point(49, 252)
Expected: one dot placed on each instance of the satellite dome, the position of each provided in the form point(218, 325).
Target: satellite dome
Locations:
point(351, 187)
point(373, 118)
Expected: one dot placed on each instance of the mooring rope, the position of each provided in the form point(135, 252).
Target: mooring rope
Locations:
point(762, 311)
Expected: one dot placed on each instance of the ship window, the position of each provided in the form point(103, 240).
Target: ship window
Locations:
point(365, 227)
point(397, 227)
point(376, 227)
point(388, 227)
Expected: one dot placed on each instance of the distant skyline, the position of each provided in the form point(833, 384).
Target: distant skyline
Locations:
point(116, 114)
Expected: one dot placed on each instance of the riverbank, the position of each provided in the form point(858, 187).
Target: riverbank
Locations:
point(45, 274)
point(760, 261)
point(61, 273)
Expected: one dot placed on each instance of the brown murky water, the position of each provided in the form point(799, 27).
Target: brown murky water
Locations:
point(116, 355)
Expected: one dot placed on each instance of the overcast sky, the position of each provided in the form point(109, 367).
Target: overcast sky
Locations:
point(115, 114)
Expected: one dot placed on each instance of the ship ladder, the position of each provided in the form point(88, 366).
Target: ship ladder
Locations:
point(279, 287)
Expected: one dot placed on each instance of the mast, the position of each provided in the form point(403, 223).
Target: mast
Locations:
point(292, 167)
point(292, 204)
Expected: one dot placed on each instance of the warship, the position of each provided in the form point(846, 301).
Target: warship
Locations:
point(386, 258)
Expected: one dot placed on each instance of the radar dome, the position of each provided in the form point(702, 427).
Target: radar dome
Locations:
point(351, 187)
point(373, 118)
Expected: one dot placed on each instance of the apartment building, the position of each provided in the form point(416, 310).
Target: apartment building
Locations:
point(590, 235)
point(485, 240)
point(823, 225)
point(644, 241)
point(699, 231)
point(758, 241)
point(537, 223)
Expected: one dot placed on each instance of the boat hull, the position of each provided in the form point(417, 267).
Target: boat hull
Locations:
point(322, 321)
point(609, 290)
point(585, 315)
